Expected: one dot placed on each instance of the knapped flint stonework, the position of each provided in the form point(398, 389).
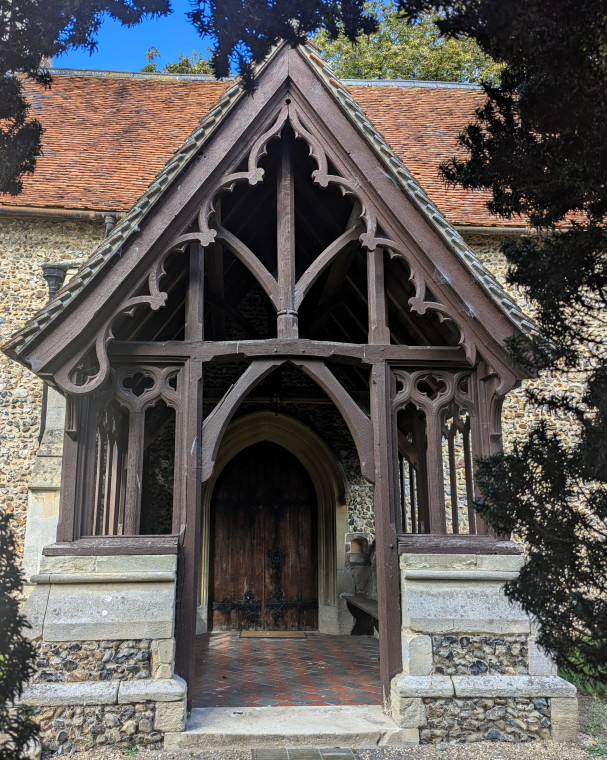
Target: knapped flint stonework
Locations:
point(69, 728)
point(58, 662)
point(26, 244)
point(480, 655)
point(475, 720)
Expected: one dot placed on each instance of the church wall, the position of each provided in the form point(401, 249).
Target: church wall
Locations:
point(518, 417)
point(25, 244)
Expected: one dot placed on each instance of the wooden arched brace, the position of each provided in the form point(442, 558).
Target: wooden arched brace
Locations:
point(215, 424)
point(318, 266)
point(246, 256)
point(358, 423)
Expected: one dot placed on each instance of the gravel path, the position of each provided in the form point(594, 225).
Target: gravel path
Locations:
point(544, 750)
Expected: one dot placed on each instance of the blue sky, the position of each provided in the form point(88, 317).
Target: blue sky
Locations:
point(121, 48)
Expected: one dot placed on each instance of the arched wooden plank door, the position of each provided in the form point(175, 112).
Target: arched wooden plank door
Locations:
point(265, 544)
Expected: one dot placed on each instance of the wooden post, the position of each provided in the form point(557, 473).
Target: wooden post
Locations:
point(285, 193)
point(376, 298)
point(70, 470)
point(188, 458)
point(387, 525)
point(189, 530)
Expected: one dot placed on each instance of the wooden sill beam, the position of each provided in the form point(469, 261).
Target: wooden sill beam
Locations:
point(432, 543)
point(106, 545)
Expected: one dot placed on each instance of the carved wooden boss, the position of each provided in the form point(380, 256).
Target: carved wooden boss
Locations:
point(293, 198)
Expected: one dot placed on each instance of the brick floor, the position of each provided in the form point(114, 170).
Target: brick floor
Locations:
point(318, 670)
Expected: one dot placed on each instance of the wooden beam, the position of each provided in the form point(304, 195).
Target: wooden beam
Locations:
point(387, 523)
point(436, 481)
point(97, 546)
point(423, 356)
point(323, 260)
point(285, 211)
point(134, 467)
point(215, 424)
point(357, 421)
point(70, 467)
point(409, 543)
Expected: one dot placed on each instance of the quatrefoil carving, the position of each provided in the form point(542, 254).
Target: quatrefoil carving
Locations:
point(138, 383)
point(431, 386)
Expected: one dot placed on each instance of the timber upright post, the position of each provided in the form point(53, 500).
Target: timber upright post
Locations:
point(386, 529)
point(187, 517)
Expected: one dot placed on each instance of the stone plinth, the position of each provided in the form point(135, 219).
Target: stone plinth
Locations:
point(103, 627)
point(472, 670)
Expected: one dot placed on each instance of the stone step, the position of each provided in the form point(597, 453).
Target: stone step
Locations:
point(256, 727)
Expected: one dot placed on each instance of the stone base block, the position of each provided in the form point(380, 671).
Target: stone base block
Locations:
point(170, 716)
point(417, 654)
point(565, 719)
point(79, 716)
point(408, 713)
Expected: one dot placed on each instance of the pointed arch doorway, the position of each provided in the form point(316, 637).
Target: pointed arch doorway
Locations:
point(313, 486)
point(264, 572)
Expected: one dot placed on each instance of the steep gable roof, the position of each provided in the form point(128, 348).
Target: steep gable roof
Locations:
point(393, 169)
point(107, 135)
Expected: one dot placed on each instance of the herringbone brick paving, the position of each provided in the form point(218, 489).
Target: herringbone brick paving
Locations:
point(318, 670)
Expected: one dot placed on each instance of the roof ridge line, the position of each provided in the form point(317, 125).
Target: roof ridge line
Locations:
point(165, 75)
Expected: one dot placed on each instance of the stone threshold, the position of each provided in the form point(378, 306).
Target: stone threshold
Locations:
point(243, 728)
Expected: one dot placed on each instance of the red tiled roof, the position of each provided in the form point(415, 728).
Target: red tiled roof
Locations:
point(106, 137)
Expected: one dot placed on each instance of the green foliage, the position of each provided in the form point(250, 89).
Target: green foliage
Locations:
point(587, 685)
point(244, 31)
point(398, 50)
point(539, 145)
point(16, 653)
point(32, 31)
point(186, 64)
point(596, 726)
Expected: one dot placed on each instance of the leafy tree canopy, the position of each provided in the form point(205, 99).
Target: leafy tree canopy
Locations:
point(398, 50)
point(32, 31)
point(186, 64)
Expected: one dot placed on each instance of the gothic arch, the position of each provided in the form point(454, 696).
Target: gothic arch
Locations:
point(329, 484)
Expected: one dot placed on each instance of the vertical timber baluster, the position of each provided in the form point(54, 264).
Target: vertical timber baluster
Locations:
point(134, 467)
point(451, 433)
point(436, 478)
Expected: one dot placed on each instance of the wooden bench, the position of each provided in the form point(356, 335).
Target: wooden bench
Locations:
point(364, 611)
point(362, 603)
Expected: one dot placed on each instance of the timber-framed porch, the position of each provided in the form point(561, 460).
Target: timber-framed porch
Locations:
point(287, 263)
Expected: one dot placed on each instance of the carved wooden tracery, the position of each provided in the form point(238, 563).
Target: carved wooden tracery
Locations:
point(111, 384)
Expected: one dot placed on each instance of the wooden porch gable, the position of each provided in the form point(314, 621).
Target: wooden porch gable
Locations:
point(290, 238)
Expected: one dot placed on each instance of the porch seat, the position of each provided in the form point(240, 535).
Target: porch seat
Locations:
point(362, 603)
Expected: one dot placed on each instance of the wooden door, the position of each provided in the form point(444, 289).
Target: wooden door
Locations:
point(264, 572)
